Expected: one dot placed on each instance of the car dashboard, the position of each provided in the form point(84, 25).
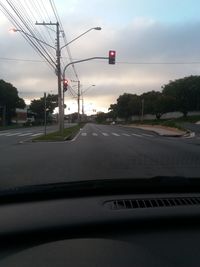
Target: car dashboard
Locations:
point(109, 230)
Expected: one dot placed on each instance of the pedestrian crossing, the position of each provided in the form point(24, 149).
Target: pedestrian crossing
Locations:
point(20, 134)
point(113, 134)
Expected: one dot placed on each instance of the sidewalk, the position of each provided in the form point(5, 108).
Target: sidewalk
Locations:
point(160, 130)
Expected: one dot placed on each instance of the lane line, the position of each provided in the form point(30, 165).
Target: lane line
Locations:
point(105, 134)
point(84, 134)
point(94, 134)
point(115, 134)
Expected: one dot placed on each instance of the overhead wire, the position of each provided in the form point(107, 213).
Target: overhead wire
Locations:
point(43, 16)
point(35, 29)
point(64, 36)
point(18, 25)
point(23, 26)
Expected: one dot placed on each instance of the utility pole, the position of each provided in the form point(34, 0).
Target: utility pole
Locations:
point(4, 115)
point(142, 110)
point(58, 73)
point(45, 114)
point(79, 101)
point(82, 105)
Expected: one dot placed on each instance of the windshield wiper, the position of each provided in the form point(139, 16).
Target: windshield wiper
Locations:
point(159, 184)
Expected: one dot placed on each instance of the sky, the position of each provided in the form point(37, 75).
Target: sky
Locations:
point(141, 31)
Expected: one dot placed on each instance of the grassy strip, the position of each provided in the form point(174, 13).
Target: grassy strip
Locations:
point(68, 134)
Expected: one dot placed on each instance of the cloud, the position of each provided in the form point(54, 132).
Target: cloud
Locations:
point(142, 40)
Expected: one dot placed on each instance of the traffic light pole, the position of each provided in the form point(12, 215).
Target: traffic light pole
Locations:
point(111, 54)
point(61, 124)
point(79, 101)
point(79, 61)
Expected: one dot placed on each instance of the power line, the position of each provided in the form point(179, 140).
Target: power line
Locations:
point(64, 36)
point(18, 21)
point(22, 59)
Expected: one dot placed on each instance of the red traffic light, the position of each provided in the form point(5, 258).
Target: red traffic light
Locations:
point(111, 57)
point(65, 84)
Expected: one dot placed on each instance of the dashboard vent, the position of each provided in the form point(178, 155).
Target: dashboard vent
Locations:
point(151, 203)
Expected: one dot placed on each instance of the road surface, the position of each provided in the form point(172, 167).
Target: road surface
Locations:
point(98, 152)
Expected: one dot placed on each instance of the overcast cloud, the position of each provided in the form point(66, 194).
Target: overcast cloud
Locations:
point(137, 39)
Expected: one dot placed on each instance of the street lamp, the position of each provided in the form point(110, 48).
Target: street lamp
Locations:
point(94, 28)
point(57, 64)
point(29, 35)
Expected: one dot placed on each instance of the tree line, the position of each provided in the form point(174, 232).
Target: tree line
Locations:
point(179, 95)
point(10, 100)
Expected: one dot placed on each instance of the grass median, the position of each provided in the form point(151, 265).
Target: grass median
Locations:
point(68, 134)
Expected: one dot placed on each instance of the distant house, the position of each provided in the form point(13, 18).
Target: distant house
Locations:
point(20, 116)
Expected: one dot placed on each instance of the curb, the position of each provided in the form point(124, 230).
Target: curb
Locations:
point(155, 132)
point(66, 139)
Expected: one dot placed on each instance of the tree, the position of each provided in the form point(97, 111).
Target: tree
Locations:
point(157, 103)
point(113, 112)
point(101, 117)
point(37, 106)
point(9, 100)
point(127, 106)
point(186, 92)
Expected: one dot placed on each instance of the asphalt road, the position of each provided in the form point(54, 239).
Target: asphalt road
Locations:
point(99, 152)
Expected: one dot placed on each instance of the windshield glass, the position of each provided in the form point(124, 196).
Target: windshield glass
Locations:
point(98, 90)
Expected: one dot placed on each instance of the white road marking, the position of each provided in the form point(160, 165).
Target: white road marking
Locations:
point(148, 135)
point(1, 134)
point(115, 134)
point(105, 134)
point(12, 134)
point(192, 135)
point(36, 134)
point(126, 134)
point(95, 134)
point(138, 135)
point(25, 134)
point(84, 134)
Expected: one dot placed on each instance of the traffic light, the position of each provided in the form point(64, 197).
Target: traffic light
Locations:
point(111, 57)
point(65, 84)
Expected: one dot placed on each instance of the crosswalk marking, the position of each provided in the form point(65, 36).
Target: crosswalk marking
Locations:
point(36, 134)
point(4, 133)
point(24, 134)
point(138, 135)
point(148, 135)
point(126, 134)
point(115, 134)
point(12, 134)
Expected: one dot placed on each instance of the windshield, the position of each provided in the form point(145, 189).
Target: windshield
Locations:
point(95, 90)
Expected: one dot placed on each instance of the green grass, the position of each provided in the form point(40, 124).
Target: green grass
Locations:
point(68, 134)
